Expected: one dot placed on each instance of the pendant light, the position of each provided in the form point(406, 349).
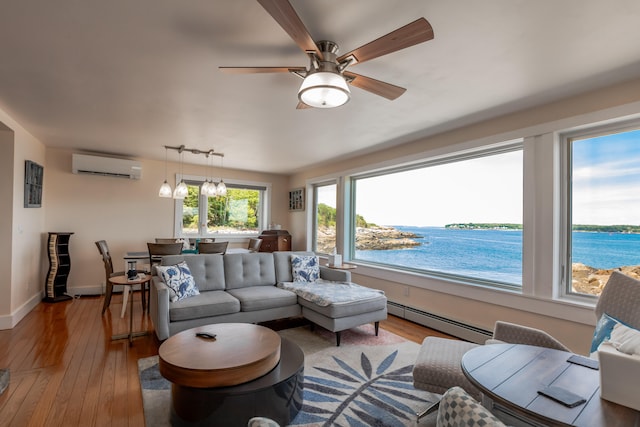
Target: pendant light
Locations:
point(208, 188)
point(221, 188)
point(211, 191)
point(204, 188)
point(165, 188)
point(181, 190)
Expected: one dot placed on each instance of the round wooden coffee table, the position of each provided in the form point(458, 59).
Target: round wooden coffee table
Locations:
point(246, 371)
point(240, 352)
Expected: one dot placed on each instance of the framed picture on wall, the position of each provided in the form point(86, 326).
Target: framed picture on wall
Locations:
point(33, 178)
point(296, 199)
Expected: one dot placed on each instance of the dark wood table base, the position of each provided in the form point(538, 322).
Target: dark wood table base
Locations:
point(276, 395)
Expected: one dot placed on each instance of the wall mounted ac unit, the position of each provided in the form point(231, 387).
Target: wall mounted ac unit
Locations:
point(105, 166)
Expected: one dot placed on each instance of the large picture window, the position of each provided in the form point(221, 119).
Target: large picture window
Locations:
point(604, 208)
point(240, 212)
point(460, 216)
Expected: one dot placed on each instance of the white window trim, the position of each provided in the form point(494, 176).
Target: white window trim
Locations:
point(311, 189)
point(453, 157)
point(564, 138)
point(265, 214)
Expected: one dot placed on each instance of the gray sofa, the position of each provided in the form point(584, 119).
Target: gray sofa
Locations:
point(241, 287)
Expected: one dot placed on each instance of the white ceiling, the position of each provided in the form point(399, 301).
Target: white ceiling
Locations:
point(127, 77)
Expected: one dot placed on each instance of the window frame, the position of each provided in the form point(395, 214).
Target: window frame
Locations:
point(314, 210)
point(508, 146)
point(263, 215)
point(566, 140)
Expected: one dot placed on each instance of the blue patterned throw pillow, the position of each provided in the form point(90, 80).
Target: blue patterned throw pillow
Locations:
point(602, 331)
point(179, 280)
point(305, 268)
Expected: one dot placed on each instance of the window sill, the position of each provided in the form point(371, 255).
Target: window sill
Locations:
point(565, 308)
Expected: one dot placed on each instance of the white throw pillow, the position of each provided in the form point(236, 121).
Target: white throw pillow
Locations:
point(625, 339)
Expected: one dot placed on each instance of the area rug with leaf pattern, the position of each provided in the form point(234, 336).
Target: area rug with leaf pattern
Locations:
point(365, 382)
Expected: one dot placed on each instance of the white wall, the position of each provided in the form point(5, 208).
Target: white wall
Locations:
point(22, 229)
point(6, 213)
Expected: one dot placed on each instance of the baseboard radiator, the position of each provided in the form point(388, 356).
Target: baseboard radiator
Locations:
point(439, 323)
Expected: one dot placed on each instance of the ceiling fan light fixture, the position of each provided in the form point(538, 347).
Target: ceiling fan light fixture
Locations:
point(324, 89)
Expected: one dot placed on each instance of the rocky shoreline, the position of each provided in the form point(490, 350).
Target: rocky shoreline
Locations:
point(589, 280)
point(372, 238)
point(382, 238)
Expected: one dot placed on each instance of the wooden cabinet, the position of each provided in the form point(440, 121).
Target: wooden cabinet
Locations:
point(59, 267)
point(275, 240)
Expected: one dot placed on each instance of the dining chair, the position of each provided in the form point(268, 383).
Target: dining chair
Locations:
point(103, 248)
point(166, 240)
point(254, 245)
point(213, 247)
point(158, 250)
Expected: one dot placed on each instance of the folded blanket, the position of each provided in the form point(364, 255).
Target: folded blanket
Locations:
point(324, 292)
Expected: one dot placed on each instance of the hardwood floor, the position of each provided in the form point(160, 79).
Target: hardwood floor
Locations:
point(66, 371)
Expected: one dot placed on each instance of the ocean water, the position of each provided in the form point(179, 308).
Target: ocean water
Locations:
point(497, 254)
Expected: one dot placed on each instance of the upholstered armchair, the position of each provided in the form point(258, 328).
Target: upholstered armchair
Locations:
point(437, 367)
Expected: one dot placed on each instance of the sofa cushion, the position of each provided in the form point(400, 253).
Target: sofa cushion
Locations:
point(207, 269)
point(263, 297)
point(305, 268)
point(244, 270)
point(179, 280)
point(207, 304)
point(335, 311)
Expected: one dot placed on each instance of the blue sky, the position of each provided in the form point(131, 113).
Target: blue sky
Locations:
point(486, 189)
point(606, 188)
point(606, 179)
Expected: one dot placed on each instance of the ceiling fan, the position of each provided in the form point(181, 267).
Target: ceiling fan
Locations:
point(325, 83)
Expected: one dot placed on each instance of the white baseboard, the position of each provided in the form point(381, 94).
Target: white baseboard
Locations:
point(439, 323)
point(11, 320)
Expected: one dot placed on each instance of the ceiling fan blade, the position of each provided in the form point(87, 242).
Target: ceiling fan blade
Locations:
point(302, 106)
point(251, 70)
point(418, 31)
point(286, 16)
point(386, 90)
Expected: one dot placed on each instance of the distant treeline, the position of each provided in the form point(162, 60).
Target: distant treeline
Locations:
point(577, 227)
point(608, 228)
point(486, 226)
